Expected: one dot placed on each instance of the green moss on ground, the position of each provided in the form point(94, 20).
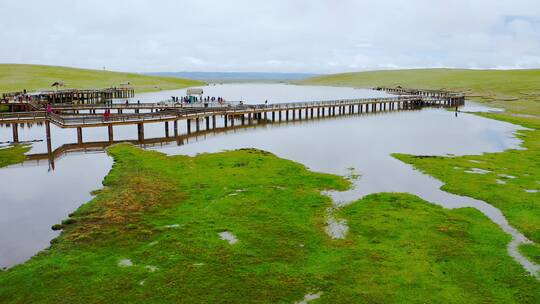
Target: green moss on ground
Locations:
point(13, 155)
point(17, 77)
point(532, 251)
point(164, 215)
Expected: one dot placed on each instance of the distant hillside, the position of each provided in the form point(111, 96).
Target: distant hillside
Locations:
point(16, 77)
point(518, 90)
point(236, 76)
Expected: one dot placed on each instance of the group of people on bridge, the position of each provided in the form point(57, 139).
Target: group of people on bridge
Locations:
point(193, 99)
point(17, 97)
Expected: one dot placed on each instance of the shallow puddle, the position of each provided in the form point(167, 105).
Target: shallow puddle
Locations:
point(229, 237)
point(310, 297)
point(125, 263)
point(477, 171)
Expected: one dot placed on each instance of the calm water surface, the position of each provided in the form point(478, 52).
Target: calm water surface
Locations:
point(35, 198)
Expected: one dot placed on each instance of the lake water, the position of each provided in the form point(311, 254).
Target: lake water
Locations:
point(34, 197)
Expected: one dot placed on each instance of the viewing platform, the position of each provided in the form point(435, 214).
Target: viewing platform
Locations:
point(70, 95)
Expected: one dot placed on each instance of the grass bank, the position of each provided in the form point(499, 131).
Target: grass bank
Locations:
point(152, 235)
point(510, 178)
point(16, 77)
point(509, 181)
point(13, 155)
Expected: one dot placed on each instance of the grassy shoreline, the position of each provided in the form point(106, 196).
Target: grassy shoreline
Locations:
point(513, 90)
point(13, 155)
point(151, 235)
point(16, 77)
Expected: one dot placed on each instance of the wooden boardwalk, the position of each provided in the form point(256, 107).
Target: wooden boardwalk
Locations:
point(170, 139)
point(197, 117)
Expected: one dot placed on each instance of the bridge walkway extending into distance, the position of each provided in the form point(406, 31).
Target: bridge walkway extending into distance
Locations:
point(243, 114)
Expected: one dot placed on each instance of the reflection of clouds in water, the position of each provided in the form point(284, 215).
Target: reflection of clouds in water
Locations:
point(34, 199)
point(366, 143)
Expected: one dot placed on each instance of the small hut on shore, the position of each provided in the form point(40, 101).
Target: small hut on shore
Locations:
point(194, 92)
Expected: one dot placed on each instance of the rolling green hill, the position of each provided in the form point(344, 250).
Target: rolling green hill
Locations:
point(515, 90)
point(16, 77)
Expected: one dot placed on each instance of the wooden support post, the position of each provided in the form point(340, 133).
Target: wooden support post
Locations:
point(207, 118)
point(273, 116)
point(15, 127)
point(140, 132)
point(243, 119)
point(279, 115)
point(287, 115)
point(213, 121)
point(175, 126)
point(197, 125)
point(226, 121)
point(188, 125)
point(48, 137)
point(166, 129)
point(79, 135)
point(111, 135)
point(311, 110)
point(293, 114)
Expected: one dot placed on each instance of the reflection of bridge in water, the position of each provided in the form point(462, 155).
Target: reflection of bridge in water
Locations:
point(233, 116)
point(100, 146)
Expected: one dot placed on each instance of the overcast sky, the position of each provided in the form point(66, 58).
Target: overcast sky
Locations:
point(271, 35)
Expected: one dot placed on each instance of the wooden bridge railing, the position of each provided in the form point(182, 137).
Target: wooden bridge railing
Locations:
point(23, 115)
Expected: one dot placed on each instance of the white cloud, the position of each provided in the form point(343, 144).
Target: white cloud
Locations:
point(278, 35)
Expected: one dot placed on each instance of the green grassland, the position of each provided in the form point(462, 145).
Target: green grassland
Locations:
point(13, 155)
point(151, 236)
point(17, 77)
point(516, 91)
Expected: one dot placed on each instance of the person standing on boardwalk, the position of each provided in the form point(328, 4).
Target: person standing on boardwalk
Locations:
point(49, 108)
